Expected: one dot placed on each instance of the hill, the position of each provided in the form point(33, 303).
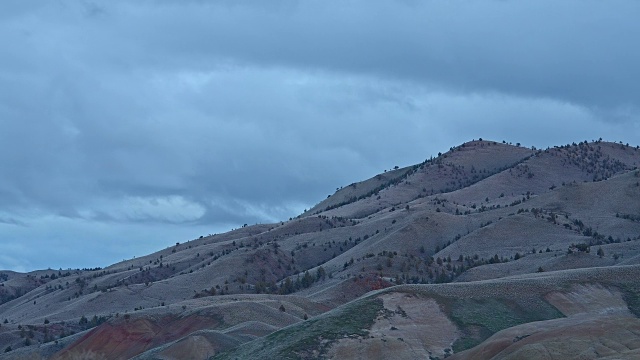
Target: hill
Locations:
point(448, 241)
point(422, 321)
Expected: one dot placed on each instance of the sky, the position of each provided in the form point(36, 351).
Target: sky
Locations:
point(127, 126)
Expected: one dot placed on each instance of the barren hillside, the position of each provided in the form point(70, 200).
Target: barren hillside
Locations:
point(462, 252)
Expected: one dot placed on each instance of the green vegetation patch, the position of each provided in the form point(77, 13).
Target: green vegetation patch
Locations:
point(481, 318)
point(313, 337)
point(490, 314)
point(469, 341)
point(631, 295)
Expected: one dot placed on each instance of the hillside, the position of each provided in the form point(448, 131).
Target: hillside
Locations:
point(419, 321)
point(416, 261)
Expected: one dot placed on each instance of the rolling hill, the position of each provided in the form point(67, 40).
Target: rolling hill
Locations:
point(489, 250)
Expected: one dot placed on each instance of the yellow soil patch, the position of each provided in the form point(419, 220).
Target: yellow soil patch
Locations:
point(413, 327)
point(588, 299)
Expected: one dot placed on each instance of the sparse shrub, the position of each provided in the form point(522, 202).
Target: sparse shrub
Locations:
point(579, 248)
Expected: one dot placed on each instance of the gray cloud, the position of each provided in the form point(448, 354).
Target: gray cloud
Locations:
point(157, 121)
point(540, 49)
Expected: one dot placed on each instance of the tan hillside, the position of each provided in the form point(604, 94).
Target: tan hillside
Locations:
point(485, 228)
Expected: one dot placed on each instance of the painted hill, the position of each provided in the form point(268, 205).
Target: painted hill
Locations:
point(449, 241)
point(422, 321)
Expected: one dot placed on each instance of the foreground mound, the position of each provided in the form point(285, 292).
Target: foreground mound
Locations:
point(504, 318)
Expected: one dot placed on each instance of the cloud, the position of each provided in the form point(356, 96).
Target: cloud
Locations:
point(11, 221)
point(128, 117)
point(169, 209)
point(578, 51)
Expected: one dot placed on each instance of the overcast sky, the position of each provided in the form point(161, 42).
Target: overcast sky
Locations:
point(126, 126)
